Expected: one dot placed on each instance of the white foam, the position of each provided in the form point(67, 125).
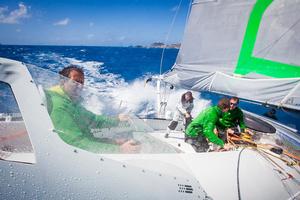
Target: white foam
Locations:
point(136, 97)
point(112, 94)
point(140, 98)
point(115, 95)
point(92, 68)
point(94, 77)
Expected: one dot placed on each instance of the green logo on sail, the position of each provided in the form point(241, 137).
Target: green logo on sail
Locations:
point(248, 63)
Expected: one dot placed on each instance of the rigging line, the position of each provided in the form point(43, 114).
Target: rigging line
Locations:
point(167, 36)
point(289, 94)
point(272, 162)
point(238, 174)
point(189, 11)
point(167, 93)
point(269, 47)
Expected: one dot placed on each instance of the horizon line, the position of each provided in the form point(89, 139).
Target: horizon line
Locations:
point(78, 45)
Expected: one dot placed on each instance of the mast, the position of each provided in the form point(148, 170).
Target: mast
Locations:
point(160, 101)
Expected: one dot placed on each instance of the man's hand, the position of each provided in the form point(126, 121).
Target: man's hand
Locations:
point(248, 131)
point(216, 131)
point(130, 146)
point(227, 147)
point(123, 117)
point(187, 115)
point(230, 131)
point(121, 141)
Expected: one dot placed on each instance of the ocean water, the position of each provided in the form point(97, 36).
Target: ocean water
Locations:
point(117, 71)
point(121, 72)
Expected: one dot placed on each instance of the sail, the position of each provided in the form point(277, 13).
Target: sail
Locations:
point(244, 48)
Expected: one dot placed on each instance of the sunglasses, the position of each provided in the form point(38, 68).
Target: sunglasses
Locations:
point(233, 104)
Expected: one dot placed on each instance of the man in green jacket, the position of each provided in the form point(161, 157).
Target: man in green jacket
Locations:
point(233, 118)
point(202, 127)
point(74, 124)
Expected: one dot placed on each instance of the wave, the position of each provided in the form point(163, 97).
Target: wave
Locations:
point(134, 97)
point(141, 99)
point(95, 75)
point(113, 93)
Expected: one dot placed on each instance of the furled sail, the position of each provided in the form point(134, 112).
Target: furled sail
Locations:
point(245, 48)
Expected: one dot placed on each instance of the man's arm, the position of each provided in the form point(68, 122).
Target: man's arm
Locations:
point(223, 121)
point(64, 123)
point(208, 132)
point(92, 120)
point(72, 130)
point(241, 120)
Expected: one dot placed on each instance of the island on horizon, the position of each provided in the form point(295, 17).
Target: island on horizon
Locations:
point(159, 45)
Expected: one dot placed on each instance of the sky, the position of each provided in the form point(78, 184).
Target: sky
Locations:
point(91, 22)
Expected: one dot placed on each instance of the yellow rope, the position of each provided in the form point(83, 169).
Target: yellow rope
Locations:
point(263, 146)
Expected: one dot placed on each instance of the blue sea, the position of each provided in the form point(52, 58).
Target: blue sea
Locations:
point(123, 70)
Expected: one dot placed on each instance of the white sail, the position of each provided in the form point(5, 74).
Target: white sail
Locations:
point(245, 48)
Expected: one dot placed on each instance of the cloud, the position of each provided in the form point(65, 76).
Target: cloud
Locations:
point(62, 22)
point(174, 9)
point(90, 36)
point(14, 16)
point(121, 38)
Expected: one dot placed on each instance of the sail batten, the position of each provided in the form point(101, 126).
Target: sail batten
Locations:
point(244, 48)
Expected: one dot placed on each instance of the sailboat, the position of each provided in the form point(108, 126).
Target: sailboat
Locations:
point(216, 55)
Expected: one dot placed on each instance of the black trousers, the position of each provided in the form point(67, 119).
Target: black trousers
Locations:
point(199, 143)
point(188, 120)
point(172, 126)
point(223, 134)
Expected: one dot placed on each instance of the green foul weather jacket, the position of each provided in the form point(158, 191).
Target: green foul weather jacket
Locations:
point(233, 118)
point(74, 123)
point(204, 124)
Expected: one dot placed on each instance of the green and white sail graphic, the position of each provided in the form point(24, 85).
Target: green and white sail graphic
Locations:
point(245, 48)
point(248, 63)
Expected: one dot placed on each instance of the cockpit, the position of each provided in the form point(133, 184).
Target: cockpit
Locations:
point(82, 116)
